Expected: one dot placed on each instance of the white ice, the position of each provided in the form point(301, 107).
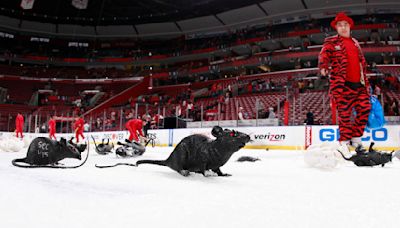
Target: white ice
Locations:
point(278, 191)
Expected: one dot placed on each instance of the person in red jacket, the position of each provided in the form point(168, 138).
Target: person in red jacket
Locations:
point(19, 125)
point(134, 126)
point(78, 125)
point(52, 128)
point(349, 87)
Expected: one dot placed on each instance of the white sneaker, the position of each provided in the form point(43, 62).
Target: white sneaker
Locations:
point(357, 145)
point(344, 147)
point(356, 142)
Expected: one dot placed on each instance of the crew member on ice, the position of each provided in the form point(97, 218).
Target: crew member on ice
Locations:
point(78, 125)
point(19, 125)
point(52, 128)
point(134, 126)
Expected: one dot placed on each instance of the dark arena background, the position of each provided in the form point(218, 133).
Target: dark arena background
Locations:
point(82, 69)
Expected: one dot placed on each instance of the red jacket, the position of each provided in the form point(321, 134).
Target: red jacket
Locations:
point(333, 53)
point(135, 125)
point(52, 125)
point(79, 123)
point(19, 121)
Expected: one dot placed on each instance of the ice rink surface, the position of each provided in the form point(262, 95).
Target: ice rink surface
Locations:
point(278, 191)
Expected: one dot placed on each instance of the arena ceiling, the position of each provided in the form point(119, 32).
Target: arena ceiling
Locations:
point(106, 12)
point(127, 18)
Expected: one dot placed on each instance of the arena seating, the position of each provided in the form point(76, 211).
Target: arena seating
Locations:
point(235, 59)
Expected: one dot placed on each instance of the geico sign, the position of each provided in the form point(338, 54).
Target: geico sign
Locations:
point(329, 134)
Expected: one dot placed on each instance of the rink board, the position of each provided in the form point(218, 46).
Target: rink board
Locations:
point(267, 137)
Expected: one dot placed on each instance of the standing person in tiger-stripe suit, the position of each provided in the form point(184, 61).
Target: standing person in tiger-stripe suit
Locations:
point(349, 87)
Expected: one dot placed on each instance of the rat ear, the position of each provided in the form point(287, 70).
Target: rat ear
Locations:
point(216, 131)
